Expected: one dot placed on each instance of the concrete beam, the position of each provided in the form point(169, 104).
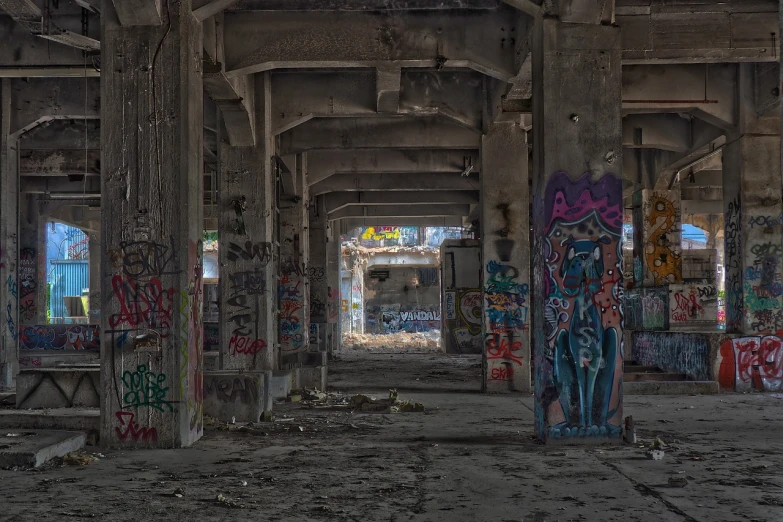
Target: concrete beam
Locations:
point(336, 201)
point(393, 211)
point(325, 163)
point(61, 98)
point(30, 17)
point(59, 162)
point(361, 5)
point(203, 9)
point(395, 182)
point(669, 132)
point(394, 132)
point(699, 206)
point(704, 32)
point(348, 224)
point(261, 41)
point(43, 185)
point(139, 12)
point(302, 95)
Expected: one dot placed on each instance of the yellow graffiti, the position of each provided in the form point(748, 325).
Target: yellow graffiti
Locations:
point(379, 233)
point(662, 260)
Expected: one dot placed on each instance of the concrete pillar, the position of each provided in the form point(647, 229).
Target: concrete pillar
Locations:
point(656, 244)
point(753, 231)
point(294, 289)
point(9, 243)
point(505, 242)
point(317, 274)
point(151, 224)
point(94, 314)
point(333, 336)
point(463, 304)
point(577, 230)
point(32, 263)
point(248, 287)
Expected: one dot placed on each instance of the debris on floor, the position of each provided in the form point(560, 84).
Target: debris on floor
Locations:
point(400, 342)
point(78, 458)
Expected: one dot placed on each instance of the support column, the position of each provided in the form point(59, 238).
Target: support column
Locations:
point(577, 225)
point(505, 242)
point(294, 286)
point(657, 226)
point(333, 337)
point(32, 264)
point(248, 289)
point(94, 313)
point(317, 274)
point(9, 243)
point(151, 222)
point(753, 234)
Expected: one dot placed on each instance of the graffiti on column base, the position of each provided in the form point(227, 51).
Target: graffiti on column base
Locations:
point(60, 337)
point(27, 284)
point(752, 363)
point(662, 253)
point(144, 387)
point(242, 345)
point(229, 390)
point(582, 254)
point(130, 431)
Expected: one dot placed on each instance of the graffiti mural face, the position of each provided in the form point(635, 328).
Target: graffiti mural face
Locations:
point(579, 366)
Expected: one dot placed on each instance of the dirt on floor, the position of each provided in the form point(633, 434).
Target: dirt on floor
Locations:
point(400, 342)
point(467, 457)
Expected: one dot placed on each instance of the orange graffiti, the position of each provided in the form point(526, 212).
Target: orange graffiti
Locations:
point(662, 261)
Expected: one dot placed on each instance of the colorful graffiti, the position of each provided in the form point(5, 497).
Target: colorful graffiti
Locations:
point(578, 356)
point(60, 337)
point(144, 387)
point(661, 246)
point(752, 363)
point(646, 308)
point(292, 322)
point(389, 236)
point(678, 352)
point(733, 266)
point(762, 287)
point(463, 319)
point(693, 303)
point(402, 318)
point(27, 284)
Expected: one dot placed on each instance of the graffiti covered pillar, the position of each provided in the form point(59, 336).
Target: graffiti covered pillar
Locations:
point(753, 231)
point(32, 262)
point(333, 264)
point(657, 227)
point(94, 313)
point(9, 243)
point(505, 242)
point(577, 217)
point(294, 288)
point(317, 274)
point(248, 288)
point(151, 224)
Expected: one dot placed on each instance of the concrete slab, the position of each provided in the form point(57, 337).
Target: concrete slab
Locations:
point(671, 388)
point(282, 383)
point(312, 377)
point(65, 387)
point(75, 419)
point(32, 448)
point(234, 395)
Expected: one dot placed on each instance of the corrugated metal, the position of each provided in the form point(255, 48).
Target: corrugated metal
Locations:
point(69, 277)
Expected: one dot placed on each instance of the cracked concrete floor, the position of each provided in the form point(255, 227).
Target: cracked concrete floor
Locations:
point(468, 457)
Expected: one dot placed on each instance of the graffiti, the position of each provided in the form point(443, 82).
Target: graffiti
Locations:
point(344, 306)
point(289, 268)
point(334, 295)
point(243, 345)
point(27, 284)
point(143, 259)
point(752, 363)
point(313, 337)
point(646, 308)
point(765, 221)
point(419, 315)
point(317, 307)
point(450, 304)
point(503, 349)
point(577, 384)
point(29, 362)
point(143, 304)
point(80, 249)
point(60, 337)
point(677, 352)
point(502, 373)
point(380, 233)
point(227, 389)
point(250, 252)
point(12, 286)
point(251, 283)
point(146, 388)
point(315, 274)
point(291, 317)
point(132, 430)
point(192, 361)
point(732, 262)
point(662, 253)
point(10, 323)
point(502, 279)
point(689, 303)
point(401, 319)
point(211, 335)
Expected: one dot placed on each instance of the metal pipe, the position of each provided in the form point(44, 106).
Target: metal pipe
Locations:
point(43, 71)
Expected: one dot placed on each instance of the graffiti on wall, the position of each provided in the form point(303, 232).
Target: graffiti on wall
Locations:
point(27, 284)
point(60, 337)
point(677, 352)
point(402, 318)
point(689, 303)
point(578, 361)
point(752, 363)
point(762, 286)
point(506, 320)
point(733, 266)
point(248, 285)
point(646, 308)
point(389, 236)
point(292, 334)
point(661, 248)
point(463, 320)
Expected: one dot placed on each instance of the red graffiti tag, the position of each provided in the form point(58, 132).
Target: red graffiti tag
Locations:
point(759, 361)
point(142, 303)
point(502, 374)
point(503, 349)
point(133, 430)
point(241, 345)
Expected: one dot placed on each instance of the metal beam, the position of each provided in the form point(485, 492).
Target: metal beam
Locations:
point(394, 132)
point(62, 98)
point(261, 41)
point(394, 211)
point(29, 16)
point(59, 162)
point(325, 163)
point(392, 182)
point(139, 12)
point(336, 201)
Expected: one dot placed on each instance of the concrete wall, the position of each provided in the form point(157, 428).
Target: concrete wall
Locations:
point(751, 363)
point(408, 301)
point(698, 355)
point(693, 306)
point(461, 296)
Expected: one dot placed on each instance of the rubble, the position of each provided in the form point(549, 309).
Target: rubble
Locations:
point(400, 342)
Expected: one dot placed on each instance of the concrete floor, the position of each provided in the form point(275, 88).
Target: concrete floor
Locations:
point(469, 457)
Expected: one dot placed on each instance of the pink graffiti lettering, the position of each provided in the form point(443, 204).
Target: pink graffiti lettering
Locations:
point(133, 430)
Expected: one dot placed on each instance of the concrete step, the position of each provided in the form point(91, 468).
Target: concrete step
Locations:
point(671, 388)
point(71, 419)
point(62, 387)
point(657, 376)
point(32, 448)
